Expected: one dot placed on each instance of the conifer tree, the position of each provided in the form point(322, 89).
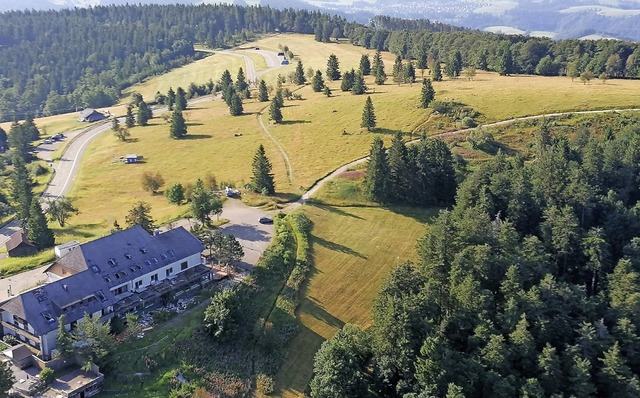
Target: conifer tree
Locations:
point(436, 73)
point(241, 81)
point(398, 169)
point(274, 112)
point(171, 98)
point(299, 77)
point(140, 214)
point(144, 113)
point(398, 70)
point(317, 83)
point(178, 127)
point(368, 115)
point(326, 91)
point(225, 80)
point(365, 65)
point(428, 94)
point(38, 230)
point(129, 119)
point(376, 183)
point(421, 62)
point(358, 87)
point(347, 80)
point(21, 191)
point(263, 92)
point(378, 69)
point(333, 68)
point(262, 179)
point(115, 124)
point(279, 99)
point(410, 73)
point(181, 99)
point(235, 106)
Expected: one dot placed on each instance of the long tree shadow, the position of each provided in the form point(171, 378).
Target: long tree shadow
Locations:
point(337, 247)
point(421, 214)
point(336, 210)
point(285, 122)
point(247, 232)
point(316, 310)
point(196, 137)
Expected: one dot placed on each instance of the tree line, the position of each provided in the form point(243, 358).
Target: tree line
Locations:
point(48, 66)
point(528, 286)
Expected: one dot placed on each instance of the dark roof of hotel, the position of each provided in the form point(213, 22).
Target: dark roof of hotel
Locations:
point(100, 265)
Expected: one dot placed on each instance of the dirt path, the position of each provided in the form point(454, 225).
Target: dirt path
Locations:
point(356, 162)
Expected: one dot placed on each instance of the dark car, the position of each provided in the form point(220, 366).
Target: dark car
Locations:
point(265, 220)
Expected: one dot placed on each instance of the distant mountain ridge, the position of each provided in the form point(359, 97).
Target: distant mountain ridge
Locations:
point(552, 18)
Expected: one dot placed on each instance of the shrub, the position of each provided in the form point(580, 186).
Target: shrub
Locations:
point(264, 384)
point(46, 375)
point(468, 122)
point(37, 169)
point(10, 339)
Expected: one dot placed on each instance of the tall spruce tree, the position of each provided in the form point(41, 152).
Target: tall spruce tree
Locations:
point(115, 124)
point(178, 126)
point(436, 73)
point(376, 182)
point(428, 94)
point(263, 92)
point(333, 68)
point(38, 230)
point(140, 214)
point(144, 113)
point(262, 180)
point(299, 77)
point(317, 83)
point(368, 115)
point(171, 98)
point(398, 71)
point(410, 73)
point(365, 65)
point(129, 119)
point(399, 182)
point(21, 189)
point(241, 81)
point(378, 69)
point(347, 80)
point(235, 106)
point(358, 87)
point(275, 113)
point(181, 99)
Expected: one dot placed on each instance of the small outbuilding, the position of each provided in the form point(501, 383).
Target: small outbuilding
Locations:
point(21, 355)
point(91, 115)
point(19, 246)
point(133, 158)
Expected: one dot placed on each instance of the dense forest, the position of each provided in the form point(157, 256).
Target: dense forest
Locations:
point(529, 286)
point(59, 61)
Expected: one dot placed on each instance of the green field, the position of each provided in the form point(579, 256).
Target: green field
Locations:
point(354, 248)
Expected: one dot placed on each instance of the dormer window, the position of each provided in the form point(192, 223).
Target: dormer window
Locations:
point(113, 262)
point(143, 250)
point(128, 256)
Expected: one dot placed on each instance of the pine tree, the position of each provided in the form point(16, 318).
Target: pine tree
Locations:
point(317, 83)
point(368, 115)
point(262, 179)
point(115, 124)
point(421, 62)
point(225, 80)
point(263, 92)
point(171, 98)
point(38, 230)
point(376, 183)
point(428, 94)
point(398, 169)
point(398, 70)
point(129, 119)
point(436, 73)
point(241, 81)
point(347, 80)
point(410, 73)
point(178, 127)
point(274, 112)
point(140, 214)
point(378, 69)
point(333, 68)
point(181, 99)
point(299, 77)
point(279, 99)
point(144, 113)
point(21, 191)
point(326, 91)
point(359, 87)
point(235, 106)
point(365, 65)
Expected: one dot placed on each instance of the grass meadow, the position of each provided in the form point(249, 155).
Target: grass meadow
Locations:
point(353, 250)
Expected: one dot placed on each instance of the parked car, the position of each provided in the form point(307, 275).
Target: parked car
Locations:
point(265, 220)
point(48, 141)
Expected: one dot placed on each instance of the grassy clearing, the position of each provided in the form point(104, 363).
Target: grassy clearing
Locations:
point(105, 190)
point(198, 72)
point(13, 265)
point(51, 125)
point(353, 248)
point(258, 60)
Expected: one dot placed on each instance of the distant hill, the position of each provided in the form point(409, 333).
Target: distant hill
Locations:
point(551, 18)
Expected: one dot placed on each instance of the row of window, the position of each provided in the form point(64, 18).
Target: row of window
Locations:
point(154, 278)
